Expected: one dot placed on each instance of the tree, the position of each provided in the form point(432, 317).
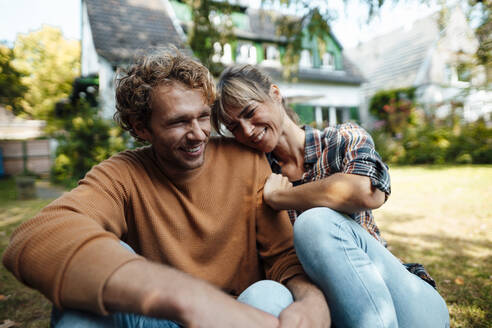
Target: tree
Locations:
point(11, 87)
point(313, 15)
point(484, 34)
point(50, 64)
point(208, 29)
point(84, 140)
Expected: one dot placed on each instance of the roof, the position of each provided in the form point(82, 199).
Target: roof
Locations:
point(122, 28)
point(350, 74)
point(395, 59)
point(263, 26)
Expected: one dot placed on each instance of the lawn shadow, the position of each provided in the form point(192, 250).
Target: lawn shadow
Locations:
point(462, 268)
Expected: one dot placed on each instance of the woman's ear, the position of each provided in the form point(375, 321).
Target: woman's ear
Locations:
point(141, 131)
point(275, 93)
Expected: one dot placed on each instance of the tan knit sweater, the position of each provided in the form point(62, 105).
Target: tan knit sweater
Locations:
point(214, 226)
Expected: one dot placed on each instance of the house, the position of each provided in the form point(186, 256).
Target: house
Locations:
point(114, 32)
point(21, 145)
point(327, 90)
point(431, 56)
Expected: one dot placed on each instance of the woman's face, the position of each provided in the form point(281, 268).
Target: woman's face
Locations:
point(258, 125)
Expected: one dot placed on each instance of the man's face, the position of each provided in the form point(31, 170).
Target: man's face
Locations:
point(179, 127)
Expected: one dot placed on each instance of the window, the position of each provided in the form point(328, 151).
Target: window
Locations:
point(271, 55)
point(217, 52)
point(306, 59)
point(464, 73)
point(328, 61)
point(227, 57)
point(224, 57)
point(246, 53)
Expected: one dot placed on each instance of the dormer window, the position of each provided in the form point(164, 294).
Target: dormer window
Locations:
point(306, 60)
point(328, 61)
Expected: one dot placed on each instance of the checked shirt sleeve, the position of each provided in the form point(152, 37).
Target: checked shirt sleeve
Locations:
point(357, 154)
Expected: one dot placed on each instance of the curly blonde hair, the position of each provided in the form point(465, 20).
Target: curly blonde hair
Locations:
point(135, 85)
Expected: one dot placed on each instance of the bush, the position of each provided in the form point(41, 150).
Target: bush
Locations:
point(84, 140)
point(395, 108)
point(434, 144)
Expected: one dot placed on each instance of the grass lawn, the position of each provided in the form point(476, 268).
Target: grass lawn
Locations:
point(438, 216)
point(442, 218)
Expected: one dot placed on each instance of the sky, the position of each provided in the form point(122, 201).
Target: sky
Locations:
point(23, 16)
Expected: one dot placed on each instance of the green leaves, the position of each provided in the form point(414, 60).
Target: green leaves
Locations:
point(49, 63)
point(11, 87)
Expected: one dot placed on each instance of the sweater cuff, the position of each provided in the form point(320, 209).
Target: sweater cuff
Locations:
point(291, 272)
point(89, 270)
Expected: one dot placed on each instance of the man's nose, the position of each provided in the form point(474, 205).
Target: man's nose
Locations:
point(196, 131)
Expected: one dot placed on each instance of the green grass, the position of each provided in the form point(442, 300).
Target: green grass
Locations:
point(440, 216)
point(17, 302)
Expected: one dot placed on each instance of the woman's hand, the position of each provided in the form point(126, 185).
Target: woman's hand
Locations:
point(274, 186)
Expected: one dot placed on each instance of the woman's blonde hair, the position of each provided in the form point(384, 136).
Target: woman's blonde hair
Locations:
point(237, 87)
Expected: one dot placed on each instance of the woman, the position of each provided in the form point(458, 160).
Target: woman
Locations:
point(334, 178)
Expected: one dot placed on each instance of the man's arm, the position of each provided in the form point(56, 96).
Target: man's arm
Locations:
point(309, 309)
point(160, 291)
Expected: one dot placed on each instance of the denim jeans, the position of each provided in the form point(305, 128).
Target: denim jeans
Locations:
point(266, 295)
point(364, 284)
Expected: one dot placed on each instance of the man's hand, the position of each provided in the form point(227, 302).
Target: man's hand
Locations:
point(309, 310)
point(160, 291)
point(275, 184)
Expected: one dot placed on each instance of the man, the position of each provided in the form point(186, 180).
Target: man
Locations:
point(191, 209)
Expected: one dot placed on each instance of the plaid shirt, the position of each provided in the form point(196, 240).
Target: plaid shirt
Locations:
point(346, 148)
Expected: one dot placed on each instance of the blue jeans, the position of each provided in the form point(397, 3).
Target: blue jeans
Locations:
point(266, 295)
point(363, 283)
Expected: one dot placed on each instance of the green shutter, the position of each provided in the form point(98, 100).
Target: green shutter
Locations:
point(305, 112)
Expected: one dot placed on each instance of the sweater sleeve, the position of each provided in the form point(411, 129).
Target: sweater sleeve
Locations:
point(274, 236)
point(71, 248)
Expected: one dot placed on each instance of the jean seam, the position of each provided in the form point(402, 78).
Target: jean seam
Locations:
point(358, 275)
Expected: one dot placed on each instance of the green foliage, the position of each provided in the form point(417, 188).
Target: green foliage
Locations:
point(430, 143)
point(85, 140)
point(311, 19)
point(395, 107)
point(11, 87)
point(484, 33)
point(50, 64)
point(205, 33)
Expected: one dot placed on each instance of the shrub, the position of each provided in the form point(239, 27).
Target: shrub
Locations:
point(84, 140)
point(395, 108)
point(430, 143)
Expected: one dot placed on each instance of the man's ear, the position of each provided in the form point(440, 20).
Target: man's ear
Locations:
point(141, 131)
point(275, 93)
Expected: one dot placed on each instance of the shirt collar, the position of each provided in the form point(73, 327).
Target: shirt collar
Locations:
point(312, 142)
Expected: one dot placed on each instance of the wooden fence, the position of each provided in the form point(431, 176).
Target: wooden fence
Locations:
point(21, 155)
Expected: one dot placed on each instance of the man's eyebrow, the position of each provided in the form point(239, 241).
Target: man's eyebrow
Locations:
point(185, 117)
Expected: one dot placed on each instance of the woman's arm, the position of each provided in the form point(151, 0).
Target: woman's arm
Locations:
point(348, 193)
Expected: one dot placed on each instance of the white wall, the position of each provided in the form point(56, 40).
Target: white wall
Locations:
point(89, 60)
point(324, 95)
point(106, 88)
